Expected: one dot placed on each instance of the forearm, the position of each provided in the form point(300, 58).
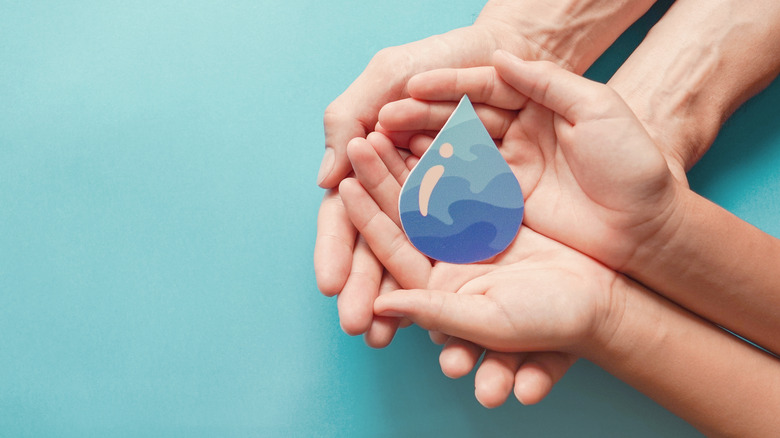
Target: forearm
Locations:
point(721, 385)
point(572, 33)
point(700, 62)
point(718, 266)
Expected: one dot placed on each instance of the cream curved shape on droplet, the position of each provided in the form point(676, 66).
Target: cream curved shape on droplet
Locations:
point(431, 177)
point(429, 181)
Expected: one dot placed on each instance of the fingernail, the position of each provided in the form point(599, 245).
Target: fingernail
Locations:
point(476, 396)
point(519, 388)
point(327, 165)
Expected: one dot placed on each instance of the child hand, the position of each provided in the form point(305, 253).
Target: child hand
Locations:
point(531, 374)
point(550, 298)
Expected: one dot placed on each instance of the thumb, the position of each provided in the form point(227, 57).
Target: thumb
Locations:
point(475, 318)
point(568, 94)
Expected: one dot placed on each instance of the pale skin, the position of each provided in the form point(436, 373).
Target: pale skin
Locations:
point(681, 108)
point(616, 201)
point(683, 126)
point(541, 295)
point(695, 67)
point(731, 315)
point(572, 33)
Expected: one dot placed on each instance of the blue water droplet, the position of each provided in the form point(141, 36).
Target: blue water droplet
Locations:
point(461, 203)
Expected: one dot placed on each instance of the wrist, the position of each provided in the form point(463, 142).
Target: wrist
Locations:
point(653, 251)
point(704, 251)
point(527, 30)
point(620, 325)
point(633, 324)
point(695, 67)
point(688, 365)
point(571, 33)
point(682, 119)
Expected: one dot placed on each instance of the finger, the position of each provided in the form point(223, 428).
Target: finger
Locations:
point(418, 115)
point(539, 373)
point(437, 337)
point(381, 332)
point(459, 357)
point(411, 161)
point(495, 377)
point(383, 328)
point(419, 144)
point(572, 96)
point(401, 139)
point(481, 84)
point(379, 132)
point(391, 156)
point(407, 265)
point(334, 244)
point(356, 300)
point(374, 176)
point(475, 318)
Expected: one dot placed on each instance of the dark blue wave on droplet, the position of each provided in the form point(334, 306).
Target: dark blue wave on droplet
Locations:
point(478, 231)
point(467, 246)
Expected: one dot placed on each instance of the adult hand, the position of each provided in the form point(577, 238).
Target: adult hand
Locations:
point(592, 177)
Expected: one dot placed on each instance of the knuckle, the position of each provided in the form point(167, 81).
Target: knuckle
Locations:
point(372, 220)
point(487, 88)
point(334, 113)
point(388, 57)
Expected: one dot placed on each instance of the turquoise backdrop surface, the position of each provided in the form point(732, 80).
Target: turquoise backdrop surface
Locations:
point(157, 220)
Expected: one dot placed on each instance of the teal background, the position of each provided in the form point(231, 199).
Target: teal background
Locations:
point(157, 219)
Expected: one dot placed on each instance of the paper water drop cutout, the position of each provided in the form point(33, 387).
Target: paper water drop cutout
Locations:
point(461, 203)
